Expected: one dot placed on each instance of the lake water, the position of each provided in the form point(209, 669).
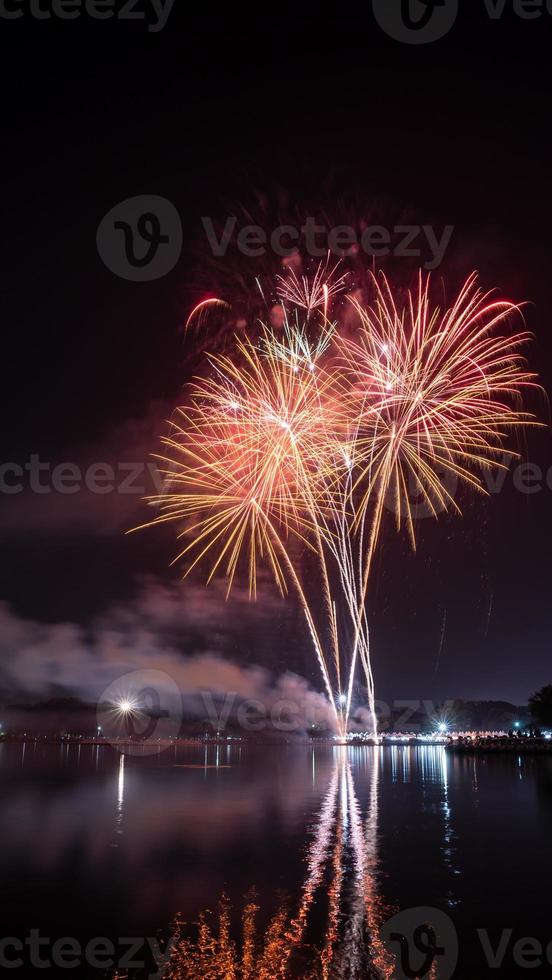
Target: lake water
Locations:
point(335, 841)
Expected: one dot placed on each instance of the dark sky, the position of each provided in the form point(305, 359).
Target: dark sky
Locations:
point(313, 112)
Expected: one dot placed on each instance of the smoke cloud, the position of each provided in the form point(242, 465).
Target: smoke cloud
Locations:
point(164, 628)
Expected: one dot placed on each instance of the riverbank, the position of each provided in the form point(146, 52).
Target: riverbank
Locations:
point(516, 746)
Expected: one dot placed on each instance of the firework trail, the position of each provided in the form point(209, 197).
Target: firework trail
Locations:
point(489, 614)
point(441, 640)
point(307, 436)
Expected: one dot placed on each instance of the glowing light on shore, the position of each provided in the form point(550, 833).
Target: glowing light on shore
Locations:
point(126, 706)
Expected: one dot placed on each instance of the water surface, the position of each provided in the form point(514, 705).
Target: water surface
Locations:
point(335, 841)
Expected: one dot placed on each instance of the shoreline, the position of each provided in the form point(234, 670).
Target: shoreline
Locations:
point(498, 744)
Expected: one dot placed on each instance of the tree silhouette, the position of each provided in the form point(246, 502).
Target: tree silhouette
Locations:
point(540, 704)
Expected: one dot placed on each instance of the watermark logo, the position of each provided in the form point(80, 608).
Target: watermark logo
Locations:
point(426, 21)
point(140, 712)
point(416, 21)
point(140, 239)
point(425, 943)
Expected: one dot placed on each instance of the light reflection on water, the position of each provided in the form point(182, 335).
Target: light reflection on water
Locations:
point(340, 892)
point(335, 840)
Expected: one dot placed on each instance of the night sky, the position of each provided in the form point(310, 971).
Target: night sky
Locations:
point(212, 113)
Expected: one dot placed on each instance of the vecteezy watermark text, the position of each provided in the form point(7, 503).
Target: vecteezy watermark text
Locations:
point(42, 478)
point(153, 12)
point(140, 239)
point(67, 953)
point(139, 478)
point(253, 715)
point(317, 240)
point(420, 940)
point(142, 713)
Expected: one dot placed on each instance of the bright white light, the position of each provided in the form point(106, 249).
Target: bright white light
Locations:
point(126, 706)
point(442, 726)
point(342, 699)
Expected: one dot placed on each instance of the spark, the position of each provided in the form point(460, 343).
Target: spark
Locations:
point(202, 307)
point(296, 349)
point(442, 640)
point(311, 294)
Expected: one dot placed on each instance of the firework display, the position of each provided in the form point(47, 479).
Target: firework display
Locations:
point(291, 447)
